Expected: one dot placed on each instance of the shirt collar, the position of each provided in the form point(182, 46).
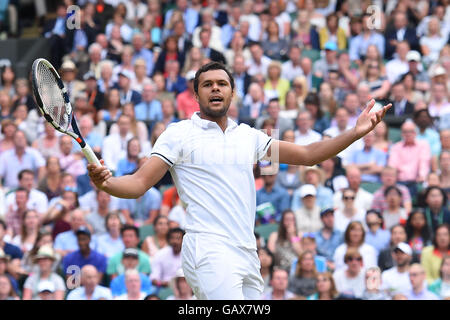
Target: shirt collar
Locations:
point(205, 124)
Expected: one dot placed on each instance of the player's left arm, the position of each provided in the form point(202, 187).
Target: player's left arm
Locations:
point(314, 153)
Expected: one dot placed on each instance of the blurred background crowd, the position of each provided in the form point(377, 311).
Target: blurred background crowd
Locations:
point(370, 223)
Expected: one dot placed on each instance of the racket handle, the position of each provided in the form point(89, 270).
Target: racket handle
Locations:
point(90, 155)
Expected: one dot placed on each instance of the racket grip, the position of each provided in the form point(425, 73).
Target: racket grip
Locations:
point(90, 155)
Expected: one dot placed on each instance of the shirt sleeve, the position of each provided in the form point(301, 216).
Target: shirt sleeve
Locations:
point(263, 142)
point(168, 146)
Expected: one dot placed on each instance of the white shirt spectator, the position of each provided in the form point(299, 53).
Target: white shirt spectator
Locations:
point(341, 221)
point(395, 282)
point(88, 202)
point(395, 68)
point(350, 286)
point(289, 71)
point(115, 148)
point(368, 253)
point(363, 199)
point(178, 214)
point(37, 200)
point(254, 68)
point(304, 139)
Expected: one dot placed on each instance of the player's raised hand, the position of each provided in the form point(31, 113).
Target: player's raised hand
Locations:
point(99, 174)
point(369, 118)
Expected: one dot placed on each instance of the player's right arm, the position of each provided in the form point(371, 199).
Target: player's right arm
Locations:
point(129, 186)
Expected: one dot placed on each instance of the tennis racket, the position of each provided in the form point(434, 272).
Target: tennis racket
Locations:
point(53, 102)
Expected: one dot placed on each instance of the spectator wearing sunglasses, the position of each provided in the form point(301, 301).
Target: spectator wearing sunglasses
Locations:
point(350, 279)
point(349, 212)
point(376, 236)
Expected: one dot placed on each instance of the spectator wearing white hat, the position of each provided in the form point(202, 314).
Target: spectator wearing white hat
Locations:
point(308, 216)
point(396, 279)
point(46, 290)
point(415, 67)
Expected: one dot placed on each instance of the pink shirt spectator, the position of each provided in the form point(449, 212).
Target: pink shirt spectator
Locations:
point(187, 104)
point(379, 200)
point(73, 165)
point(13, 219)
point(165, 265)
point(411, 161)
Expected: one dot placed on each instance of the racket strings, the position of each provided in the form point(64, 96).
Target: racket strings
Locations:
point(51, 96)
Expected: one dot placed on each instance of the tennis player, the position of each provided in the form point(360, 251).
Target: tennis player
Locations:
point(211, 160)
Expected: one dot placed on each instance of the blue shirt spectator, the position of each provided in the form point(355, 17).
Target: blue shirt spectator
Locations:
point(125, 166)
point(140, 209)
point(327, 238)
point(118, 285)
point(369, 159)
point(327, 246)
point(379, 239)
point(149, 111)
point(108, 246)
point(190, 17)
point(76, 258)
point(274, 194)
point(358, 44)
point(11, 165)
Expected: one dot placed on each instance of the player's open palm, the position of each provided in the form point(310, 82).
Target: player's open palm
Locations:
point(369, 118)
point(99, 174)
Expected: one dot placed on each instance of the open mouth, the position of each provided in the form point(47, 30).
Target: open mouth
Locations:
point(216, 99)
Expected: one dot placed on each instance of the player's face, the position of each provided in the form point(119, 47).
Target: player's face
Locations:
point(214, 93)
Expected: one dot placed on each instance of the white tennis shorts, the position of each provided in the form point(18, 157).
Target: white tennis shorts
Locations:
point(217, 270)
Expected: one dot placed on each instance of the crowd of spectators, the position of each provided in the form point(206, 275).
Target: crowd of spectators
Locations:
point(370, 223)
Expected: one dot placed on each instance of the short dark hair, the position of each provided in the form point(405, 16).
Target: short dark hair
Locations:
point(24, 171)
point(390, 188)
point(3, 224)
point(212, 66)
point(174, 230)
point(22, 189)
point(129, 227)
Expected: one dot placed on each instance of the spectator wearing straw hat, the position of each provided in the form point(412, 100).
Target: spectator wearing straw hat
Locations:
point(44, 259)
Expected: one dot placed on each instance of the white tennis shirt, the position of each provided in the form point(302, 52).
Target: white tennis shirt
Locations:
point(213, 173)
